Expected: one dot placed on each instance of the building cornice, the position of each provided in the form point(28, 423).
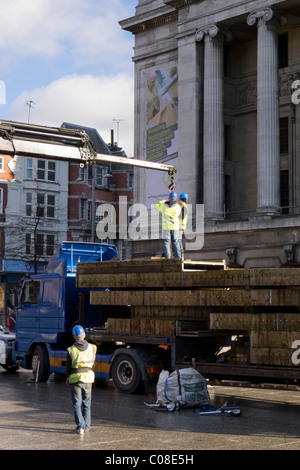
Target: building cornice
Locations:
point(180, 3)
point(169, 13)
point(149, 20)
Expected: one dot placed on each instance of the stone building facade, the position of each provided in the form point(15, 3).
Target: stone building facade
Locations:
point(237, 132)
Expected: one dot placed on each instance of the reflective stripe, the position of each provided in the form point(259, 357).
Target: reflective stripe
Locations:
point(183, 220)
point(80, 360)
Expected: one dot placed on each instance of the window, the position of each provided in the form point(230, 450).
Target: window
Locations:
point(28, 243)
point(50, 206)
point(41, 167)
point(283, 50)
point(51, 171)
point(39, 249)
point(82, 173)
point(284, 136)
point(130, 180)
point(29, 168)
point(2, 164)
point(89, 214)
point(106, 211)
point(100, 174)
point(45, 205)
point(28, 204)
point(284, 191)
point(50, 245)
point(90, 173)
point(46, 170)
point(44, 244)
point(31, 293)
point(82, 206)
point(1, 200)
point(40, 207)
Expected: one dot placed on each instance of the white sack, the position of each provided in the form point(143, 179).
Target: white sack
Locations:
point(185, 385)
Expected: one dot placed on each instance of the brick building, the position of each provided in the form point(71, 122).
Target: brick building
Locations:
point(44, 202)
point(98, 190)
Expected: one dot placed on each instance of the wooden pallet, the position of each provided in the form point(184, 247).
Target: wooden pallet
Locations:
point(261, 303)
point(136, 274)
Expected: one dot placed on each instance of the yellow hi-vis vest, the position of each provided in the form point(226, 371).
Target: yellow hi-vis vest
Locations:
point(82, 360)
point(170, 220)
point(183, 218)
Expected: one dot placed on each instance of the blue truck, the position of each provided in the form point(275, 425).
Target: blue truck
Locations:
point(49, 305)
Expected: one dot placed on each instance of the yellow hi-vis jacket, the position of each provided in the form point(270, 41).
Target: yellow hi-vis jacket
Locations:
point(170, 215)
point(184, 212)
point(82, 364)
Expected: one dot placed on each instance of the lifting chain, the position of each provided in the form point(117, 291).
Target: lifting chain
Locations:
point(87, 151)
point(172, 180)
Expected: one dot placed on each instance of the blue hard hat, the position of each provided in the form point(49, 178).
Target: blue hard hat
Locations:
point(173, 195)
point(78, 330)
point(184, 196)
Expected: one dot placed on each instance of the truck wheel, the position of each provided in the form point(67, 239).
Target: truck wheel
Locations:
point(126, 374)
point(40, 364)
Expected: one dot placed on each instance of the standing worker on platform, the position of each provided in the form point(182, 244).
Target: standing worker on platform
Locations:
point(170, 224)
point(183, 216)
point(80, 376)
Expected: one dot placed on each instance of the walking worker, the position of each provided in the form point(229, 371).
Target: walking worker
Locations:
point(170, 224)
point(80, 376)
point(183, 216)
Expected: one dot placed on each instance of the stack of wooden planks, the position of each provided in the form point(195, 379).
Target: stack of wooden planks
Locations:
point(263, 303)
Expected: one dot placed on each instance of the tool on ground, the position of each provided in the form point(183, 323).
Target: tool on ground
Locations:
point(166, 406)
point(228, 408)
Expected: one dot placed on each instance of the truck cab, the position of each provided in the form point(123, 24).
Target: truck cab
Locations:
point(49, 304)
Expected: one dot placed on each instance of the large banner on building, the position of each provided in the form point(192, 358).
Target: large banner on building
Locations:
point(161, 129)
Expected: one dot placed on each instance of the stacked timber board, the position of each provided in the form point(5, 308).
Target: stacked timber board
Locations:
point(262, 303)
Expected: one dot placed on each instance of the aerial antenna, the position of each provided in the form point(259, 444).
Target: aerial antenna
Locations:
point(30, 105)
point(118, 123)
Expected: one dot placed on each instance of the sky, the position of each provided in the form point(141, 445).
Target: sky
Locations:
point(71, 61)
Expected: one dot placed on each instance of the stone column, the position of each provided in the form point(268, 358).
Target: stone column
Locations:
point(213, 123)
point(268, 144)
point(190, 117)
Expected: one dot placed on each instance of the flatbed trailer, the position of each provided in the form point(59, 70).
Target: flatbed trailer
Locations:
point(152, 314)
point(210, 370)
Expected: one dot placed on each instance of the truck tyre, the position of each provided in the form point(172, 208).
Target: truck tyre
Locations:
point(40, 364)
point(126, 374)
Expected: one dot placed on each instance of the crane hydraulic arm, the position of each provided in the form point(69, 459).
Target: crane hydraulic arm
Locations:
point(57, 143)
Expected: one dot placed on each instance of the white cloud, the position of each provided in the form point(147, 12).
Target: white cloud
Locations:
point(85, 100)
point(81, 46)
point(87, 30)
point(2, 92)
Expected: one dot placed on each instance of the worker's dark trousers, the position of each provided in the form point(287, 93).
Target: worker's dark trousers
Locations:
point(81, 399)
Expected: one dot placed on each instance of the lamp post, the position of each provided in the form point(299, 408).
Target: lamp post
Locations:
point(92, 178)
point(82, 180)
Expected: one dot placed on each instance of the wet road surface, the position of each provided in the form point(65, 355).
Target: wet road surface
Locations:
point(39, 416)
